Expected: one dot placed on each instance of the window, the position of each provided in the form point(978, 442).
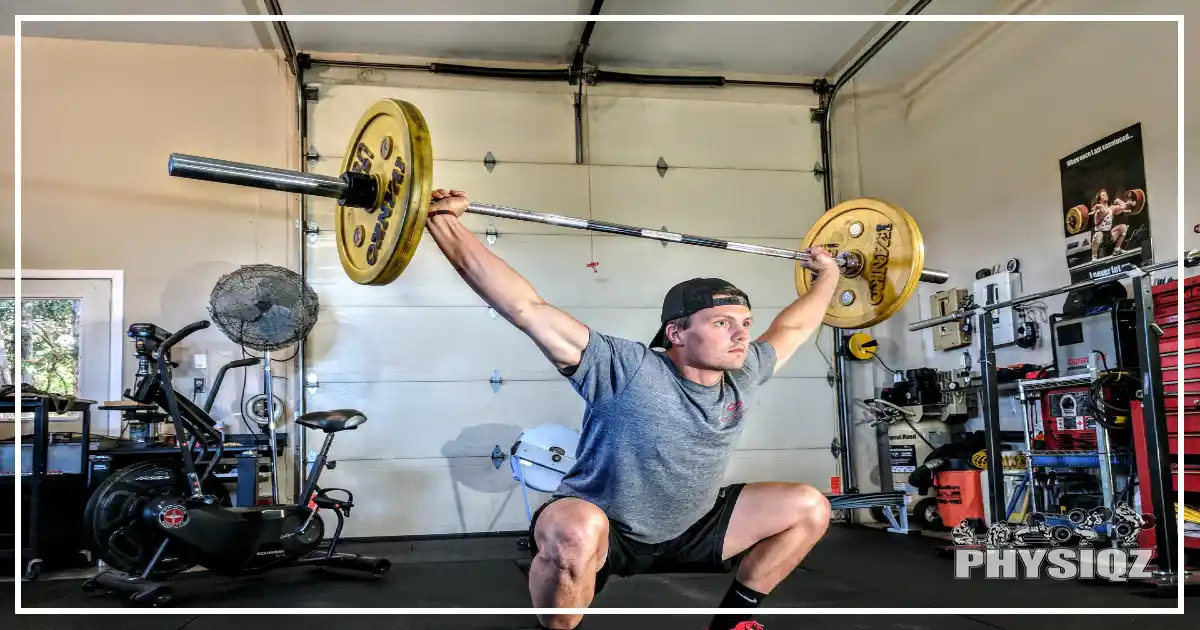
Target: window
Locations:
point(50, 335)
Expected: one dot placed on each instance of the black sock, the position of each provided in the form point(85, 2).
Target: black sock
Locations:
point(738, 596)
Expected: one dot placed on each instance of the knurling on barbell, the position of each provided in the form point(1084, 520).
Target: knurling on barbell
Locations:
point(384, 195)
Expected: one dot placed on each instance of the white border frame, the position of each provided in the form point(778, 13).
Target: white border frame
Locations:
point(116, 312)
point(19, 20)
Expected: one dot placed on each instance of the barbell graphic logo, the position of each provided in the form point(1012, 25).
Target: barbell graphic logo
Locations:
point(1104, 540)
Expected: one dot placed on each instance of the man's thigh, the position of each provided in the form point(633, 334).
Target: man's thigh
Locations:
point(766, 509)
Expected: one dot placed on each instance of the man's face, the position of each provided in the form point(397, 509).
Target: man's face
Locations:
point(716, 338)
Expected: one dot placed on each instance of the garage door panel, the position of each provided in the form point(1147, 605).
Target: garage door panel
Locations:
point(428, 496)
point(812, 466)
point(631, 272)
point(555, 265)
point(368, 344)
point(790, 413)
point(629, 131)
point(638, 272)
point(431, 420)
point(550, 188)
point(729, 204)
point(464, 125)
point(641, 324)
point(365, 344)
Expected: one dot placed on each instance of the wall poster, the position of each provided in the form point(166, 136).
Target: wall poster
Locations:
point(1104, 206)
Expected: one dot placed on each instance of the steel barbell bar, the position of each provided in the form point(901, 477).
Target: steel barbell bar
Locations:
point(360, 191)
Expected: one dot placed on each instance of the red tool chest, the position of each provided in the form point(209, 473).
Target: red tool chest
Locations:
point(1166, 315)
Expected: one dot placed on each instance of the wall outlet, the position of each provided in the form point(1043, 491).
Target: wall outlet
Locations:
point(197, 385)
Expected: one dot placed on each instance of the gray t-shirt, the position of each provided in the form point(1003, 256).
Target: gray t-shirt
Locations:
point(654, 445)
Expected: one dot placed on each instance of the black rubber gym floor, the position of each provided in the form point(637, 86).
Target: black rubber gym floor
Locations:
point(854, 567)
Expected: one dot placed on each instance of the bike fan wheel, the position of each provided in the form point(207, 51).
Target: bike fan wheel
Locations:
point(115, 528)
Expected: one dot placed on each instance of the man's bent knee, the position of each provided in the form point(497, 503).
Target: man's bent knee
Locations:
point(572, 535)
point(811, 508)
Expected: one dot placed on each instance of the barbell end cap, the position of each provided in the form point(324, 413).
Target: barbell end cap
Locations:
point(934, 276)
point(362, 190)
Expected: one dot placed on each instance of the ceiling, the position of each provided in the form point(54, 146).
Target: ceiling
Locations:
point(782, 48)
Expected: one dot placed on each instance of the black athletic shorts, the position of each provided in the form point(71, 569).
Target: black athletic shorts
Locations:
point(697, 550)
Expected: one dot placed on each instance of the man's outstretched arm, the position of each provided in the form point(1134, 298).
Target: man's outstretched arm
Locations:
point(796, 323)
point(561, 337)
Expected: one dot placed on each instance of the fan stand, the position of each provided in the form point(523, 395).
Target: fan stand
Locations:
point(271, 427)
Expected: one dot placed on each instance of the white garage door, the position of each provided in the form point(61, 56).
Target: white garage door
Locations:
point(417, 355)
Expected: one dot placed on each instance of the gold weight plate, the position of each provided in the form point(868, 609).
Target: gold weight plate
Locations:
point(392, 143)
point(1077, 219)
point(1137, 200)
point(892, 252)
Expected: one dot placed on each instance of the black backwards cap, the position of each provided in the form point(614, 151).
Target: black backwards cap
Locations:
point(691, 296)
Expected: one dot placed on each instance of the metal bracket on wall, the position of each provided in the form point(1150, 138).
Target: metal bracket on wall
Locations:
point(835, 448)
point(489, 161)
point(817, 114)
point(496, 381)
point(831, 377)
point(312, 231)
point(491, 235)
point(312, 382)
point(818, 171)
point(497, 457)
point(661, 167)
point(312, 91)
point(311, 155)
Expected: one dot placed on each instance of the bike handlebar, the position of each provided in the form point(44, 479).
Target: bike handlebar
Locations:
point(179, 336)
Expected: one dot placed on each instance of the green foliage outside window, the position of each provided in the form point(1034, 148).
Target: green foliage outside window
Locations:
point(49, 342)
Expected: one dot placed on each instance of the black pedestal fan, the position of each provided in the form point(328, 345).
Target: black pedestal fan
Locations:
point(266, 308)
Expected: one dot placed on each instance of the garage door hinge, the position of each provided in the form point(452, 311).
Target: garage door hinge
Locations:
point(311, 381)
point(311, 155)
point(661, 167)
point(818, 170)
point(497, 457)
point(312, 91)
point(835, 448)
point(817, 114)
point(311, 232)
point(491, 234)
point(496, 381)
point(831, 377)
point(489, 161)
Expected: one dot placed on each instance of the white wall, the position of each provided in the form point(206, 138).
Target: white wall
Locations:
point(972, 153)
point(99, 120)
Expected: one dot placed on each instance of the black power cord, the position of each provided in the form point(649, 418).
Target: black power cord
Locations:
point(1107, 414)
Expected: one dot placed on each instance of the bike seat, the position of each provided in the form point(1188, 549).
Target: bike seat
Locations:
point(333, 420)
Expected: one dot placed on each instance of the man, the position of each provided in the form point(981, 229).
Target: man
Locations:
point(1106, 234)
point(645, 495)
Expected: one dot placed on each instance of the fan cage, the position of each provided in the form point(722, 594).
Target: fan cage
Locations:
point(263, 307)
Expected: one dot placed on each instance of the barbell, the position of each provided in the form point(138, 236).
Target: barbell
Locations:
point(385, 189)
